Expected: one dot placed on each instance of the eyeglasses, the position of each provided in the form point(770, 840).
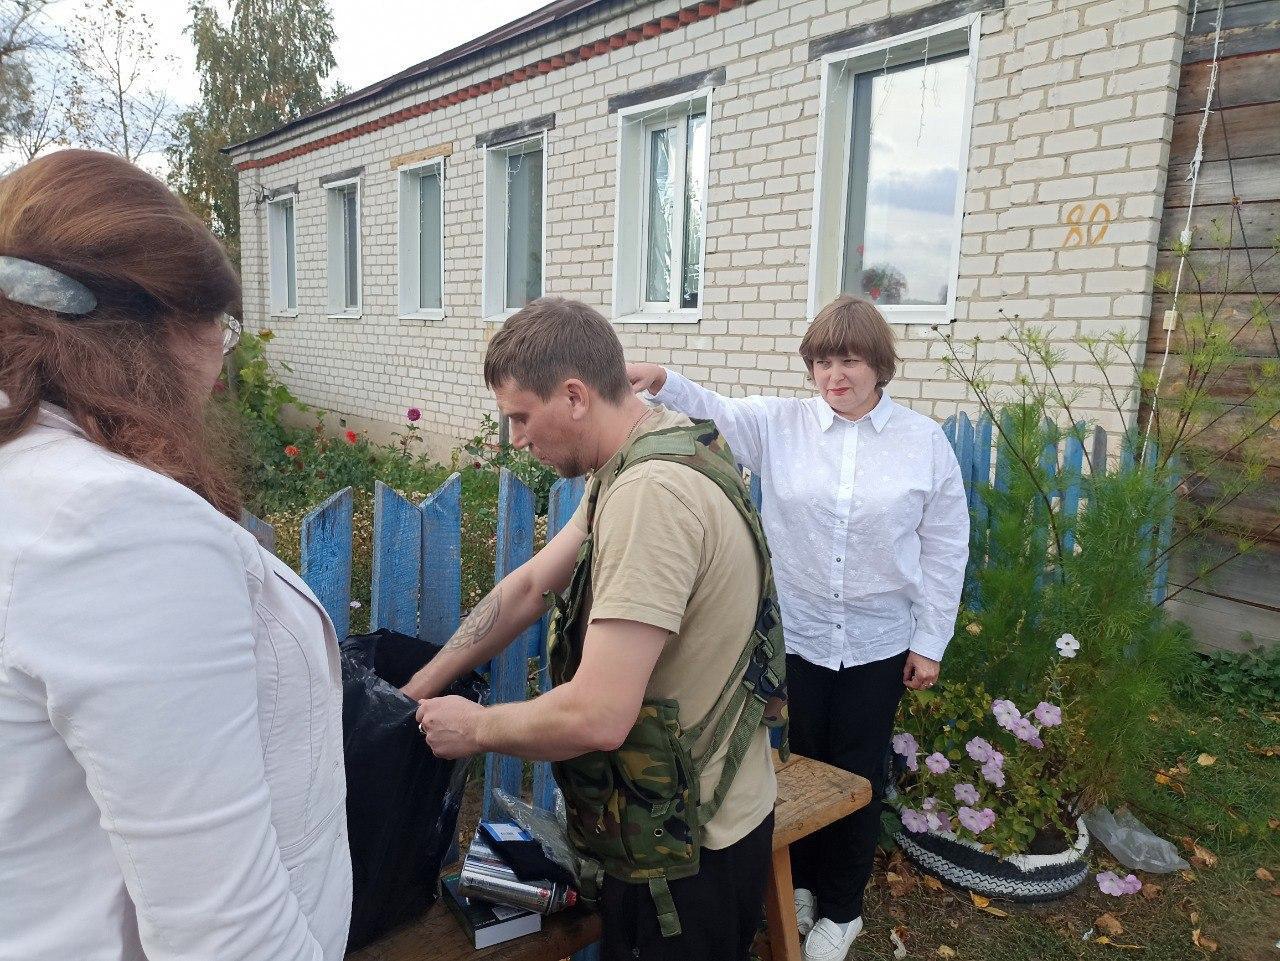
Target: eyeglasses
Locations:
point(232, 328)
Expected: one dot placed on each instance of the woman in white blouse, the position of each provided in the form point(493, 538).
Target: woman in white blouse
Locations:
point(170, 696)
point(866, 516)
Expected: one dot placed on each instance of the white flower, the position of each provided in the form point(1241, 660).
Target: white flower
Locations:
point(1067, 645)
point(355, 605)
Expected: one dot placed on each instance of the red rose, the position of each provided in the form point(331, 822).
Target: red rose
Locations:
point(351, 437)
point(413, 414)
point(291, 451)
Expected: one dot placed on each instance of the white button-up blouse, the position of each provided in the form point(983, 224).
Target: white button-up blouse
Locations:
point(867, 520)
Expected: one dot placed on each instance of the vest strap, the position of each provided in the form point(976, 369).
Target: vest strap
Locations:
point(668, 919)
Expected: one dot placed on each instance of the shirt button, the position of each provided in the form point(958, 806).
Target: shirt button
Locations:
point(839, 559)
point(837, 594)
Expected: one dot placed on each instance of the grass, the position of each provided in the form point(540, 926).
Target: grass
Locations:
point(1228, 807)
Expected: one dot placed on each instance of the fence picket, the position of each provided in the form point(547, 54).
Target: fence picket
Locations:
point(440, 590)
point(263, 532)
point(565, 495)
point(1069, 485)
point(397, 558)
point(326, 557)
point(509, 671)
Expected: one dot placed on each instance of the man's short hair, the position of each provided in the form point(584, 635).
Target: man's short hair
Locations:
point(847, 327)
point(552, 340)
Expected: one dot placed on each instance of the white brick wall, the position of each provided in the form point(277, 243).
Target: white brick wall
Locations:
point(1074, 106)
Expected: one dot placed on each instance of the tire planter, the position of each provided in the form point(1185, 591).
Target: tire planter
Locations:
point(1018, 877)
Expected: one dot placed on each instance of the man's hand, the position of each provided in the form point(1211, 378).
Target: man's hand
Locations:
point(648, 377)
point(920, 672)
point(449, 724)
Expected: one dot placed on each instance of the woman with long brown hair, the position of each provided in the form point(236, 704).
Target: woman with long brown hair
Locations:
point(170, 700)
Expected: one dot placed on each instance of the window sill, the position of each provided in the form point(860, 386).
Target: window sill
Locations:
point(908, 314)
point(691, 316)
point(436, 314)
point(284, 312)
point(347, 315)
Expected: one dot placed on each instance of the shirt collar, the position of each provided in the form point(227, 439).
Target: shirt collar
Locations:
point(878, 415)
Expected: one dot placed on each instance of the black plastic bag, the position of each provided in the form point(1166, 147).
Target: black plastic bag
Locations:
point(402, 801)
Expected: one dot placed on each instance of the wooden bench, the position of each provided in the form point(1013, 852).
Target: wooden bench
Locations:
point(811, 795)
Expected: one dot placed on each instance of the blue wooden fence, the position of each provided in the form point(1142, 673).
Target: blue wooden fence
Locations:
point(417, 558)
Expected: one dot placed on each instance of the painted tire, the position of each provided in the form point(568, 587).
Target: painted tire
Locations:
point(1019, 877)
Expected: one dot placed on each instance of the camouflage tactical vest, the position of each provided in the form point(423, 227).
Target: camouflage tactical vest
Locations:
point(637, 811)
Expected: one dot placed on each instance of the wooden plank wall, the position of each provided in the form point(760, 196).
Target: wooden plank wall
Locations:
point(1241, 161)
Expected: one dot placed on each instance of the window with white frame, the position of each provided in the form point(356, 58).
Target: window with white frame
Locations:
point(662, 209)
point(344, 247)
point(514, 225)
point(892, 160)
point(282, 255)
point(422, 240)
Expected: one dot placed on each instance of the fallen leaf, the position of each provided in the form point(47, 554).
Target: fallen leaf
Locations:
point(1202, 857)
point(899, 885)
point(1109, 924)
point(1151, 890)
point(946, 952)
point(1187, 875)
point(1102, 939)
point(1203, 942)
point(1275, 892)
point(1273, 823)
point(978, 900)
point(1262, 874)
point(995, 912)
point(1206, 760)
point(1194, 917)
point(932, 883)
point(899, 949)
point(1273, 751)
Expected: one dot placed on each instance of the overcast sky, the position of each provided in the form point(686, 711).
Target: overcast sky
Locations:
point(376, 38)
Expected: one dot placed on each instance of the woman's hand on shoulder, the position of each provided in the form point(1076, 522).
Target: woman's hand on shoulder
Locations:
point(650, 377)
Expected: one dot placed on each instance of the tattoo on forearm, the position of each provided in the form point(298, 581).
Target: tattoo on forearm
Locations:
point(479, 623)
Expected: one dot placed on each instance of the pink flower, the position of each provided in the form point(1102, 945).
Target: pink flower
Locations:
point(905, 745)
point(979, 749)
point(976, 821)
point(993, 774)
point(914, 821)
point(1006, 712)
point(966, 794)
point(1024, 730)
point(1050, 715)
point(937, 763)
point(1111, 883)
point(413, 414)
point(939, 822)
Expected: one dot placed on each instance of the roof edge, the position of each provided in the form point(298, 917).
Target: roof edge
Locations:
point(544, 16)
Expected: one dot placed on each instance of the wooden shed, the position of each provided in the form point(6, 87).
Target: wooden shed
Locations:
point(1238, 186)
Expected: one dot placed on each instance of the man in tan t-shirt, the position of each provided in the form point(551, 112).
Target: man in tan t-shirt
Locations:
point(675, 590)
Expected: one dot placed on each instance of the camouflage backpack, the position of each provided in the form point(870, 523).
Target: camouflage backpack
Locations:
point(637, 812)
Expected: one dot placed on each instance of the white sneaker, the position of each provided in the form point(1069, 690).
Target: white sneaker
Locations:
point(826, 943)
point(805, 905)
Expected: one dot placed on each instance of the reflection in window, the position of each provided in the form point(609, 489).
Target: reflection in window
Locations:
point(524, 228)
point(903, 172)
point(675, 188)
point(429, 252)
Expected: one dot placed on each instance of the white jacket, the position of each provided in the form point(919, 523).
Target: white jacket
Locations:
point(171, 777)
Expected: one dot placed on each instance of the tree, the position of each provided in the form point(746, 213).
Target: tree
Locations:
point(22, 37)
point(115, 103)
point(263, 67)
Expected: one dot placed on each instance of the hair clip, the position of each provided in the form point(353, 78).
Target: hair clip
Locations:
point(36, 285)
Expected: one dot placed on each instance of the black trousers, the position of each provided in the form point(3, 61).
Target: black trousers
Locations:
point(719, 907)
point(844, 718)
